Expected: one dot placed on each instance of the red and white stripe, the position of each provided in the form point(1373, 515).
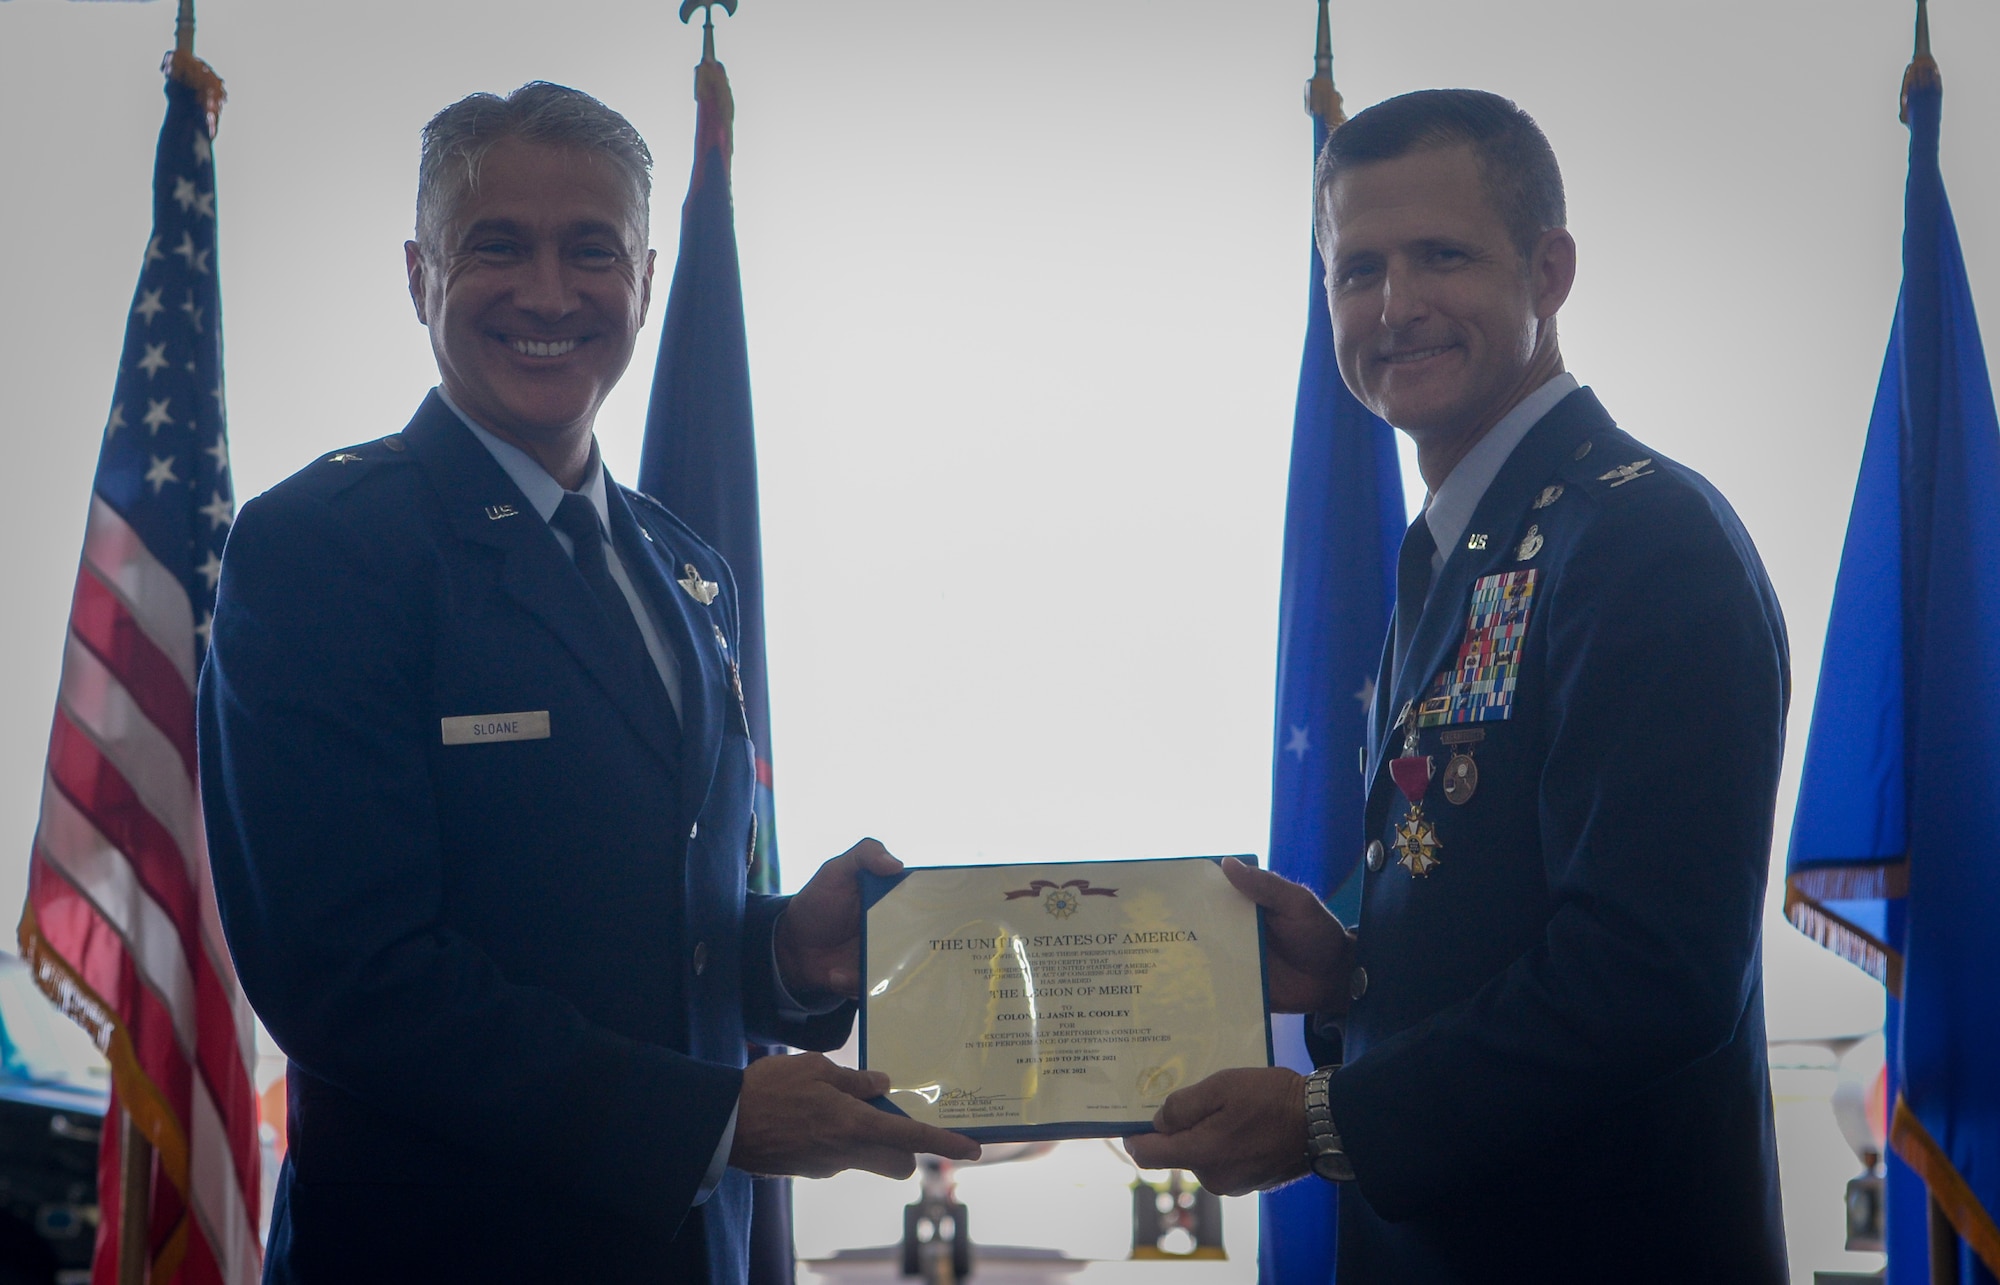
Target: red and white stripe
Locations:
point(122, 921)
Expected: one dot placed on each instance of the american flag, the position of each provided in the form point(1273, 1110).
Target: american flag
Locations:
point(120, 925)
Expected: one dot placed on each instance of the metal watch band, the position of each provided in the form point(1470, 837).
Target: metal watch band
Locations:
point(1323, 1150)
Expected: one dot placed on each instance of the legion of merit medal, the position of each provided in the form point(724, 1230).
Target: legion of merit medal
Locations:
point(1416, 838)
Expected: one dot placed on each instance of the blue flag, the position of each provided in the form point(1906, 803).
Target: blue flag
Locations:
point(700, 460)
point(1895, 854)
point(1344, 522)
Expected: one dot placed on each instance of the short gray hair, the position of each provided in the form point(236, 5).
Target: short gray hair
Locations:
point(457, 139)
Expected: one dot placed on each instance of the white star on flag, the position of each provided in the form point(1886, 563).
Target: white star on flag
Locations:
point(149, 305)
point(153, 250)
point(204, 204)
point(154, 360)
point(218, 450)
point(219, 511)
point(161, 473)
point(1298, 744)
point(1367, 693)
point(184, 193)
point(202, 151)
point(117, 420)
point(197, 260)
point(156, 416)
point(192, 310)
point(201, 630)
point(211, 570)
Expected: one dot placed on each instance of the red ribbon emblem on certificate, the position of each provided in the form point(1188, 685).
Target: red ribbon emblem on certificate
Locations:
point(1061, 898)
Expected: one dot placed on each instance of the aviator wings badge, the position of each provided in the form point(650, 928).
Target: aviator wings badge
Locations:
point(702, 591)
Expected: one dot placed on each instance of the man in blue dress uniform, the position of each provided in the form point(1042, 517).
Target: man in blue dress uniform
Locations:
point(1550, 1012)
point(478, 790)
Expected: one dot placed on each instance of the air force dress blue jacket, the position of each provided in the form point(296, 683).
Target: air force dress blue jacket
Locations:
point(1555, 1058)
point(480, 883)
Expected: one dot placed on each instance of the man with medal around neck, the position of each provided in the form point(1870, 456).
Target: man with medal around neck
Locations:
point(1541, 1049)
point(478, 791)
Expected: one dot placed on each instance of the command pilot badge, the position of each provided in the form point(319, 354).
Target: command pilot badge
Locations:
point(702, 591)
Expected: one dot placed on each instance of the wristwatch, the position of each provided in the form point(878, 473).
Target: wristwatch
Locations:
point(1323, 1150)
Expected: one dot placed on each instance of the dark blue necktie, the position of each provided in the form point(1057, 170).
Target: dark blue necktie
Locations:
point(1413, 585)
point(576, 518)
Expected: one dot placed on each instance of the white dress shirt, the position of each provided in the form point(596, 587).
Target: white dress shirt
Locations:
point(1451, 506)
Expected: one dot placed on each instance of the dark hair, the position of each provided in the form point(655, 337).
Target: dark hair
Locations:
point(457, 139)
point(1519, 167)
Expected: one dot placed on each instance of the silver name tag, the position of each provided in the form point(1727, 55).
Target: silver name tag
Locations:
point(475, 729)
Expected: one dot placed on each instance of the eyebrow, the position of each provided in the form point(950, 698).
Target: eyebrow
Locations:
point(509, 227)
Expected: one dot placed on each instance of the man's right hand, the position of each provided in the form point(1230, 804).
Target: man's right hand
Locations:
point(1307, 953)
point(804, 1116)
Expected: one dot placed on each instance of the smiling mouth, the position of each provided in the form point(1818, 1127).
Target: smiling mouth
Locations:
point(544, 348)
point(1413, 355)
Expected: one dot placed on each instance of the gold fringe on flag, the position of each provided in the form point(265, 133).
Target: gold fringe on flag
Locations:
point(138, 1096)
point(1844, 938)
point(1948, 1187)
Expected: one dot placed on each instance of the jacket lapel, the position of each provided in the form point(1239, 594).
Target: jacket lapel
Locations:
point(1547, 446)
point(688, 626)
point(485, 507)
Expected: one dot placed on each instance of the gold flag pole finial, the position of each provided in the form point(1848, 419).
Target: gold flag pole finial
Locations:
point(1923, 69)
point(707, 8)
point(1322, 99)
point(183, 66)
point(715, 117)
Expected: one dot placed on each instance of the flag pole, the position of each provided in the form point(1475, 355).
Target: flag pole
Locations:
point(1322, 99)
point(135, 1192)
point(1942, 1237)
point(135, 1149)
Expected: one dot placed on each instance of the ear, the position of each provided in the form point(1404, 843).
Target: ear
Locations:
point(1552, 271)
point(413, 265)
point(646, 285)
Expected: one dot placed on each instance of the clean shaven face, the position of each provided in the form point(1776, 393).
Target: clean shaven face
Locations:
point(1436, 317)
point(536, 291)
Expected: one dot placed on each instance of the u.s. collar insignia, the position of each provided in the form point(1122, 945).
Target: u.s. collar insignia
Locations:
point(1531, 544)
point(495, 512)
point(1627, 472)
point(702, 591)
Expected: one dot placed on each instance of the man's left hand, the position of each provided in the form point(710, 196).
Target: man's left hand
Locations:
point(819, 935)
point(1241, 1130)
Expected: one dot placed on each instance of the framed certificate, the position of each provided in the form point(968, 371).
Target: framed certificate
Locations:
point(1022, 1002)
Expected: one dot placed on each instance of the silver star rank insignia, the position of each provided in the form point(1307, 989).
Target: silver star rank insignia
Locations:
point(1627, 472)
point(702, 591)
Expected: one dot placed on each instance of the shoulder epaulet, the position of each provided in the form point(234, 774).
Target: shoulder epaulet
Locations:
point(335, 471)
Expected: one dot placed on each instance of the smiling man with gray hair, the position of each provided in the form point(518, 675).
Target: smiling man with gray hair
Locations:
point(478, 791)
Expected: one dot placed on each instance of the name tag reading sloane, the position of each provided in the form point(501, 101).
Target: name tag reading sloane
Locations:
point(1014, 1003)
point(474, 729)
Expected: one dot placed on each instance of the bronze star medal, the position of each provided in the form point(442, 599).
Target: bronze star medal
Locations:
point(1416, 838)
